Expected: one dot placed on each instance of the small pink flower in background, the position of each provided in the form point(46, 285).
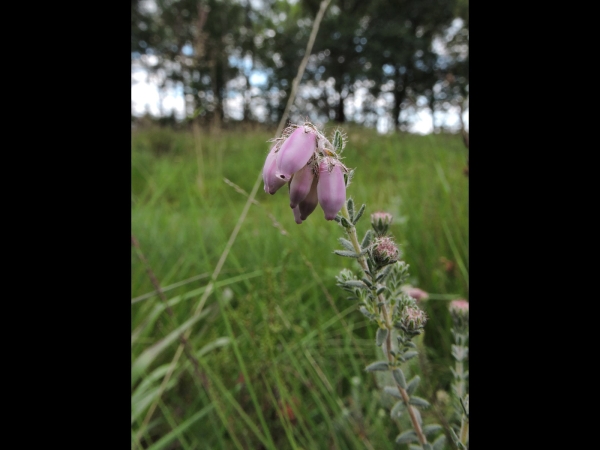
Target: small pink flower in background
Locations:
point(295, 152)
point(459, 306)
point(331, 188)
point(416, 293)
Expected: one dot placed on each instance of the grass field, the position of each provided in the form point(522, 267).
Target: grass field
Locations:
point(281, 351)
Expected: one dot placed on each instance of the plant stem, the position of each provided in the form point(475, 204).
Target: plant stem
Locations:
point(388, 324)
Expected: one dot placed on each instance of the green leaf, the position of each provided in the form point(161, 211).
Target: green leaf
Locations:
point(346, 253)
point(410, 354)
point(378, 366)
point(414, 447)
point(418, 401)
point(350, 206)
point(430, 429)
point(396, 411)
point(337, 141)
point(439, 443)
point(380, 336)
point(367, 281)
point(380, 290)
point(427, 446)
point(412, 385)
point(393, 391)
point(367, 239)
point(406, 437)
point(143, 361)
point(355, 283)
point(399, 377)
point(164, 441)
point(359, 214)
point(384, 273)
point(345, 222)
point(346, 244)
point(410, 344)
point(417, 414)
point(338, 218)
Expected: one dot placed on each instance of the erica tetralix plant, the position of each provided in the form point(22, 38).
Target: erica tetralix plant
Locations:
point(305, 160)
point(310, 165)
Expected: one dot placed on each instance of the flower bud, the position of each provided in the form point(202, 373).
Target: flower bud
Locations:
point(381, 222)
point(413, 320)
point(331, 188)
point(295, 152)
point(384, 251)
point(297, 218)
point(310, 202)
point(459, 310)
point(300, 185)
point(272, 182)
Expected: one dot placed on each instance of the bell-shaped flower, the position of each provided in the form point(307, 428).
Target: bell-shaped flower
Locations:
point(295, 152)
point(331, 189)
point(270, 179)
point(310, 202)
point(297, 217)
point(300, 185)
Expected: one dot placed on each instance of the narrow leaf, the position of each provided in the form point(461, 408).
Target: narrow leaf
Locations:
point(345, 222)
point(412, 385)
point(355, 283)
point(350, 205)
point(346, 253)
point(347, 244)
point(381, 336)
point(406, 437)
point(410, 354)
point(430, 429)
point(439, 443)
point(396, 411)
point(359, 213)
point(393, 391)
point(337, 141)
point(399, 377)
point(378, 366)
point(380, 289)
point(418, 401)
point(367, 239)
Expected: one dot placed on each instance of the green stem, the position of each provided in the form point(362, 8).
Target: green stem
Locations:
point(388, 324)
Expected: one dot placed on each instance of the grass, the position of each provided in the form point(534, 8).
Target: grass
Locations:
point(281, 352)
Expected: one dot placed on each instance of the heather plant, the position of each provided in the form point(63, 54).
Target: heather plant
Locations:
point(310, 165)
point(459, 310)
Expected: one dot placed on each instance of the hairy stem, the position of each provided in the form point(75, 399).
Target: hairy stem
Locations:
point(351, 231)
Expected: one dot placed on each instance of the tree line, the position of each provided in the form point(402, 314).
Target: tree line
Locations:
point(386, 56)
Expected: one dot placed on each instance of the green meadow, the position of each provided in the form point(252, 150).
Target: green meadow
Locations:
point(275, 353)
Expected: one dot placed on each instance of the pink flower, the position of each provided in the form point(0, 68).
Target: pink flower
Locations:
point(416, 293)
point(295, 152)
point(270, 179)
point(300, 185)
point(297, 218)
point(385, 251)
point(310, 202)
point(331, 189)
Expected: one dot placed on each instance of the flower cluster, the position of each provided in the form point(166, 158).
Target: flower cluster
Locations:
point(309, 164)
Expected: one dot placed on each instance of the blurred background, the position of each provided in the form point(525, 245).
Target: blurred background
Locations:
point(240, 337)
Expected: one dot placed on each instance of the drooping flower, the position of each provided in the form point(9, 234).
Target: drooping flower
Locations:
point(297, 218)
point(310, 202)
point(300, 185)
point(331, 188)
point(295, 152)
point(270, 179)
